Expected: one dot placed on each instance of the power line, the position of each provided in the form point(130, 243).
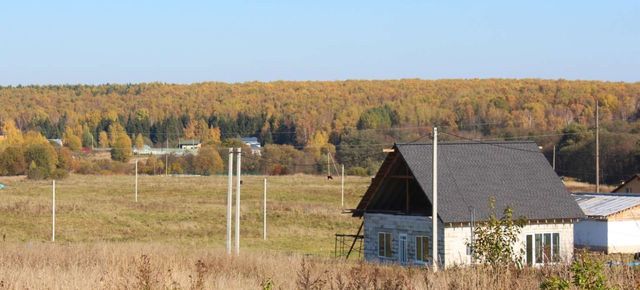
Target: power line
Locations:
point(491, 144)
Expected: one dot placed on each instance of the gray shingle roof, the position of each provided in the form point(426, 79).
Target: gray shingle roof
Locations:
point(516, 174)
point(604, 205)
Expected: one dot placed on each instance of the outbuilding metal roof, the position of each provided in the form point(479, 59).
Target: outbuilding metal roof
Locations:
point(604, 205)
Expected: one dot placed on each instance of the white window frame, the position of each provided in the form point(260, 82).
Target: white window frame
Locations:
point(534, 257)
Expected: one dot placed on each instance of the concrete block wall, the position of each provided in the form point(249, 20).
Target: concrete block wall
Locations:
point(412, 226)
point(456, 239)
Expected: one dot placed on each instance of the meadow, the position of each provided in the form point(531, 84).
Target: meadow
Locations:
point(304, 212)
point(174, 238)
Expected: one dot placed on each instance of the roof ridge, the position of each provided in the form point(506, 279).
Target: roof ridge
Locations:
point(479, 142)
point(613, 194)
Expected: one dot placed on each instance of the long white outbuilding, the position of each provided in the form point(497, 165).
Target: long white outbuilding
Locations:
point(612, 224)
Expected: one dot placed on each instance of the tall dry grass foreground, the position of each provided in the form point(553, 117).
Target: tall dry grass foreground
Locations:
point(158, 266)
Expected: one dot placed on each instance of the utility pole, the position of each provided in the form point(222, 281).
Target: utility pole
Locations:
point(264, 211)
point(166, 158)
point(328, 166)
point(229, 200)
point(597, 146)
point(342, 186)
point(554, 158)
point(434, 212)
point(238, 180)
point(136, 193)
point(53, 212)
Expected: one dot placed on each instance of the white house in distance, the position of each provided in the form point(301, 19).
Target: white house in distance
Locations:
point(254, 144)
point(612, 224)
point(397, 209)
point(189, 144)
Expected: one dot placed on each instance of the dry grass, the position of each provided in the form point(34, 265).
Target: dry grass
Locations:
point(303, 211)
point(173, 238)
point(160, 266)
point(577, 186)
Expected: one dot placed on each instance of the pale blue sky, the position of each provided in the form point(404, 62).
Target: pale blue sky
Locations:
point(59, 42)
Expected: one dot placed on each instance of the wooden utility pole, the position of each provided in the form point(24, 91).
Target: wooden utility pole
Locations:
point(53, 212)
point(554, 158)
point(264, 211)
point(229, 201)
point(238, 180)
point(597, 147)
point(342, 187)
point(434, 212)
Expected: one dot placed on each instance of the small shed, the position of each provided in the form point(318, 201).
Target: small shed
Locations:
point(612, 224)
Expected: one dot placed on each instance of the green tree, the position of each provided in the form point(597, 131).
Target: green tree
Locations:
point(87, 137)
point(121, 150)
point(378, 118)
point(42, 158)
point(495, 239)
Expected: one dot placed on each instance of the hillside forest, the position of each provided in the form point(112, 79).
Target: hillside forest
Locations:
point(299, 123)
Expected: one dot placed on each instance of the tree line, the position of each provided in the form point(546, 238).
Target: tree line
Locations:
point(300, 122)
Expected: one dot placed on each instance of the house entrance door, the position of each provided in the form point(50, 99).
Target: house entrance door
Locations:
point(402, 248)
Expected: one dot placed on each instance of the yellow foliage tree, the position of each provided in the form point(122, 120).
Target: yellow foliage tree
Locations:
point(103, 139)
point(12, 135)
point(72, 140)
point(139, 142)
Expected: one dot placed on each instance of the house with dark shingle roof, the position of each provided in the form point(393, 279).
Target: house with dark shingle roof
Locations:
point(397, 207)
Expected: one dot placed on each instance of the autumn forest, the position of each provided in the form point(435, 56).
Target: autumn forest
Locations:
point(298, 123)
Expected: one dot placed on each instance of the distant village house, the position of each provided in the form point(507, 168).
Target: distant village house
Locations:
point(189, 144)
point(631, 185)
point(397, 207)
point(254, 144)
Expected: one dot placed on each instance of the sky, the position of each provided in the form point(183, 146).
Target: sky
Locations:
point(96, 42)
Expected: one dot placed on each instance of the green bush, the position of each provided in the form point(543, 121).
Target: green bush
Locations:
point(555, 283)
point(359, 171)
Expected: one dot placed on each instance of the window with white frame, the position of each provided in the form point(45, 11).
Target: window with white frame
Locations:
point(384, 245)
point(423, 251)
point(542, 248)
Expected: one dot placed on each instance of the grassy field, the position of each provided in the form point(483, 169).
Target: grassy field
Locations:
point(304, 212)
point(173, 238)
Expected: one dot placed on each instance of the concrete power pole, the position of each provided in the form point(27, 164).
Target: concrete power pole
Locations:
point(238, 182)
point(597, 147)
point(434, 212)
point(136, 191)
point(229, 201)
